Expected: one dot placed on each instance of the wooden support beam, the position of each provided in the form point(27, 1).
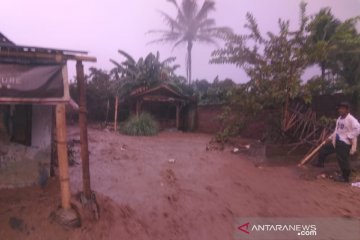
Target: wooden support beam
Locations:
point(116, 113)
point(83, 129)
point(62, 156)
point(178, 108)
point(138, 107)
point(57, 57)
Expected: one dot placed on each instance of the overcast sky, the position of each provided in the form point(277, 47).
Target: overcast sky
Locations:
point(104, 26)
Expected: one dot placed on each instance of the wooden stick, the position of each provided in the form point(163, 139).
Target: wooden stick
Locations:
point(312, 154)
point(62, 156)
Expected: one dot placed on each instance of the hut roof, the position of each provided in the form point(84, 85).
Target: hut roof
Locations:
point(4, 41)
point(163, 93)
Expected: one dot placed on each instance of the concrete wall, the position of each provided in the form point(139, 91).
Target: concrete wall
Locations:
point(25, 166)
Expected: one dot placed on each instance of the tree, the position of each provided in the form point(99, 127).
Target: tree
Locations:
point(146, 72)
point(321, 41)
point(274, 63)
point(191, 25)
point(335, 46)
point(99, 94)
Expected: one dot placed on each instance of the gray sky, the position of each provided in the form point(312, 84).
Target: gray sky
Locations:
point(103, 27)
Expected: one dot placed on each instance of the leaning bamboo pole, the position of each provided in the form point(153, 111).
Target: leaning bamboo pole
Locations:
point(62, 156)
point(308, 157)
point(83, 129)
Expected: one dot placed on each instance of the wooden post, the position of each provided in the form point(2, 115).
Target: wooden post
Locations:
point(116, 113)
point(62, 156)
point(138, 107)
point(83, 129)
point(177, 116)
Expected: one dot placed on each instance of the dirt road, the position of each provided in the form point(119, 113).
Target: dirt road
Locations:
point(170, 187)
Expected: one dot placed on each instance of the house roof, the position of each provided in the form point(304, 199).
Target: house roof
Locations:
point(11, 52)
point(161, 93)
point(4, 41)
point(145, 91)
point(10, 45)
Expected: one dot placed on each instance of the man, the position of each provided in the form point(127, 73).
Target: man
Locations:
point(343, 142)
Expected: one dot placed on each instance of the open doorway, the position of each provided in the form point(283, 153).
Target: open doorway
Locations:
point(16, 123)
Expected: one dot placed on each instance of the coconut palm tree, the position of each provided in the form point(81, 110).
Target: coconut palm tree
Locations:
point(190, 25)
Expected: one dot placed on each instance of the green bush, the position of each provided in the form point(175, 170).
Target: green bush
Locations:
point(142, 125)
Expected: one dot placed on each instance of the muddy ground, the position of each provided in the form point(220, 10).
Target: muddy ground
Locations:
point(170, 187)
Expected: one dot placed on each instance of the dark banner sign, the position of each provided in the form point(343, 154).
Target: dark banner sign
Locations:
point(29, 83)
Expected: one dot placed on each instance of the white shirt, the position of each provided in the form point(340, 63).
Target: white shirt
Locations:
point(346, 129)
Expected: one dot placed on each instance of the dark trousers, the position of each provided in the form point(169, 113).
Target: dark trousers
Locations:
point(342, 151)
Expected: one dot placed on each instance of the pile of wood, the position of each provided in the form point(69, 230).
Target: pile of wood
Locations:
point(302, 125)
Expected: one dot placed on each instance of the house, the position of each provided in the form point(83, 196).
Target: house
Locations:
point(28, 93)
point(171, 108)
point(33, 93)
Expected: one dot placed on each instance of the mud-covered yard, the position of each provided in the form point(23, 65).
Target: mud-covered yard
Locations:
point(170, 187)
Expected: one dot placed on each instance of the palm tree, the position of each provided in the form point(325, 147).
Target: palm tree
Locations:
point(190, 25)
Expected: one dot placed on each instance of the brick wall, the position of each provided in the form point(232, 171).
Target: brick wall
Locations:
point(207, 118)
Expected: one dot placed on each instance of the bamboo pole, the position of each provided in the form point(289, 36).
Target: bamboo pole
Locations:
point(83, 129)
point(312, 154)
point(62, 156)
point(116, 112)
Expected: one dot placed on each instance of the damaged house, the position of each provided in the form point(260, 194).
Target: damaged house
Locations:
point(28, 92)
point(34, 91)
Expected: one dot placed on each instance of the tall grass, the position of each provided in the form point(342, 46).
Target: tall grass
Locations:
point(143, 125)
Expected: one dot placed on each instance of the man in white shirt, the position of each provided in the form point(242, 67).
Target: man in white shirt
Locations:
point(343, 142)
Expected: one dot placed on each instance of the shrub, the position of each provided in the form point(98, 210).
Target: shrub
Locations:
point(142, 125)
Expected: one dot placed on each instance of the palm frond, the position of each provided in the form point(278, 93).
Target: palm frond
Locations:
point(182, 40)
point(206, 39)
point(171, 22)
point(126, 55)
point(205, 9)
point(189, 9)
point(206, 23)
point(168, 61)
point(180, 14)
point(118, 65)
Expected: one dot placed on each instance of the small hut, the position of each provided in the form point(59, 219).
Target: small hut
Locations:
point(171, 108)
point(33, 93)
